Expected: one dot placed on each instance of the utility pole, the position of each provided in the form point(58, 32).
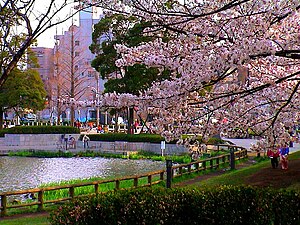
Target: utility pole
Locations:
point(72, 75)
point(58, 92)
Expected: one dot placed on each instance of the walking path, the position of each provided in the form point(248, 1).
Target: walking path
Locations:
point(246, 143)
point(265, 177)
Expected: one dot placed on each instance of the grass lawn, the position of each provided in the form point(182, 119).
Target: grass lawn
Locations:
point(28, 220)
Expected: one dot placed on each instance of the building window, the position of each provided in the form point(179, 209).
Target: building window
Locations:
point(90, 73)
point(77, 43)
point(76, 54)
point(76, 67)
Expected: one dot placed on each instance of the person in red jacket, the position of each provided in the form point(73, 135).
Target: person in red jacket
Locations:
point(273, 154)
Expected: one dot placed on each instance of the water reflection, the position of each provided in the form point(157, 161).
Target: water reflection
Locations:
point(19, 173)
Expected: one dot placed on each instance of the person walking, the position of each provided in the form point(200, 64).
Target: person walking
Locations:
point(273, 154)
point(284, 153)
point(85, 140)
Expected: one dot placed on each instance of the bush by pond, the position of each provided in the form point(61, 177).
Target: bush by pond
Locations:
point(40, 130)
point(151, 138)
point(223, 205)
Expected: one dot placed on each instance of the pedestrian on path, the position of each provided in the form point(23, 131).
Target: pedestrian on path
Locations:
point(284, 153)
point(273, 154)
point(85, 140)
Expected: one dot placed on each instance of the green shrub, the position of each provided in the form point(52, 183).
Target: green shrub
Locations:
point(111, 137)
point(42, 154)
point(40, 130)
point(224, 205)
point(152, 138)
point(215, 141)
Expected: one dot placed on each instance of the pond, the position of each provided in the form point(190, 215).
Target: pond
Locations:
point(18, 173)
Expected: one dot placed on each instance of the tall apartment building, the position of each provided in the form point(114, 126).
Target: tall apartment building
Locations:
point(67, 72)
point(46, 70)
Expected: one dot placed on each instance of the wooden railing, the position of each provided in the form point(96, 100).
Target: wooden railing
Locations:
point(71, 190)
point(210, 163)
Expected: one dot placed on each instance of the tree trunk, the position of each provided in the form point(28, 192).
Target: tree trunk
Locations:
point(1, 118)
point(130, 129)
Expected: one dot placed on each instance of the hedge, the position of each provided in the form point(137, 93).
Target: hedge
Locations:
point(40, 130)
point(224, 205)
point(111, 137)
point(152, 138)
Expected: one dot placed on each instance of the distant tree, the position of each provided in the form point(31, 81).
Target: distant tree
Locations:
point(22, 90)
point(72, 71)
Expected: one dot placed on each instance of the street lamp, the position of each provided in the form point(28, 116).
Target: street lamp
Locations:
point(97, 94)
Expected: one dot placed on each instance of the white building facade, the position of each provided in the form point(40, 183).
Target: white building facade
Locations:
point(71, 78)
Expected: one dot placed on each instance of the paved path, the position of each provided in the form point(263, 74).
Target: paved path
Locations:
point(246, 143)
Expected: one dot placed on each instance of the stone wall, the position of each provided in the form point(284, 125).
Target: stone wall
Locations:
point(136, 146)
point(53, 142)
point(34, 139)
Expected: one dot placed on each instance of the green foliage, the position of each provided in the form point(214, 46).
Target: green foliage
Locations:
point(222, 205)
point(211, 140)
point(24, 89)
point(152, 138)
point(139, 156)
point(42, 154)
point(36, 220)
point(216, 153)
point(129, 31)
point(215, 141)
point(40, 130)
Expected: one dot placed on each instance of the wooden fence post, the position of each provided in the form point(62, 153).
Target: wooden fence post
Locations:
point(150, 180)
point(135, 182)
point(169, 172)
point(204, 165)
point(211, 163)
point(71, 192)
point(96, 189)
point(161, 177)
point(41, 200)
point(3, 205)
point(117, 184)
point(232, 159)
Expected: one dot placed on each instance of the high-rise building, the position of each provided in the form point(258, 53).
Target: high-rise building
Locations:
point(45, 59)
point(67, 72)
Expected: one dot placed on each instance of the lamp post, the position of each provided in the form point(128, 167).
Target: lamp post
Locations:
point(97, 95)
point(97, 109)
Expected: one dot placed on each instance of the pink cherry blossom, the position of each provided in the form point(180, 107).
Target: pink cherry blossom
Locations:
point(233, 61)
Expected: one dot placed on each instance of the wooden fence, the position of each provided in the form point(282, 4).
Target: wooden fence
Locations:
point(71, 190)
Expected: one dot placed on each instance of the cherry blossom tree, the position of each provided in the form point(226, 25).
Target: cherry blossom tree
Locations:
point(235, 66)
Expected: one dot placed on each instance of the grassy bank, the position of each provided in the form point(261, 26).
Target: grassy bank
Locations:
point(185, 158)
point(239, 177)
point(27, 220)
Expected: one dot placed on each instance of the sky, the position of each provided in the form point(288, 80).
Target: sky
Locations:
point(47, 38)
